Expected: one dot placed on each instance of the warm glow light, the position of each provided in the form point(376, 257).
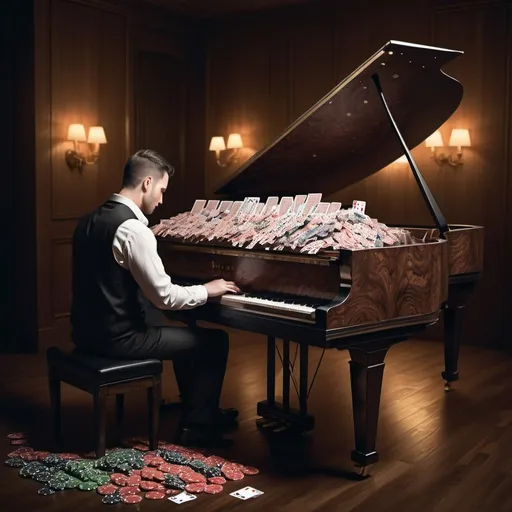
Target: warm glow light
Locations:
point(97, 135)
point(76, 132)
point(435, 140)
point(460, 138)
point(217, 144)
point(235, 141)
point(401, 160)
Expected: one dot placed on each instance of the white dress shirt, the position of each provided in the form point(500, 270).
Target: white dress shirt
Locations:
point(135, 249)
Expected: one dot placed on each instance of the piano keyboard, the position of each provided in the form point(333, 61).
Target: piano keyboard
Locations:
point(273, 306)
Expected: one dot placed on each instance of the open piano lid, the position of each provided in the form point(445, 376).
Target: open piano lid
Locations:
point(347, 135)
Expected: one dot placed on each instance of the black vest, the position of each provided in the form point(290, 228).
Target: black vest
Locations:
point(106, 303)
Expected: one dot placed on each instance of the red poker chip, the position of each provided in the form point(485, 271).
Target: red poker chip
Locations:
point(147, 473)
point(172, 492)
point(118, 479)
point(17, 435)
point(213, 489)
point(19, 442)
point(195, 488)
point(146, 485)
point(214, 460)
point(248, 470)
point(217, 480)
point(155, 461)
point(29, 456)
point(107, 489)
point(158, 475)
point(125, 491)
point(141, 447)
point(192, 478)
point(133, 480)
point(136, 472)
point(155, 495)
point(198, 456)
point(131, 498)
point(234, 475)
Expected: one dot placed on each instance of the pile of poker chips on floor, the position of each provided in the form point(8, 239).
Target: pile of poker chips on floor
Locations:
point(124, 475)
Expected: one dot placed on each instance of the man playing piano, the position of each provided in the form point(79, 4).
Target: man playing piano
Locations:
point(115, 268)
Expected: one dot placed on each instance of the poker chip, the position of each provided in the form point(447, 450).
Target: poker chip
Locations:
point(213, 489)
point(148, 485)
point(133, 480)
point(46, 491)
point(172, 492)
point(125, 491)
point(19, 442)
point(155, 461)
point(217, 480)
point(195, 488)
point(234, 475)
point(107, 489)
point(15, 462)
point(17, 435)
point(192, 478)
point(131, 498)
point(88, 486)
point(118, 479)
point(155, 495)
point(111, 499)
point(213, 460)
point(248, 470)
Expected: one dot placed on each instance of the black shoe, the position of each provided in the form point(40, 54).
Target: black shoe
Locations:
point(203, 437)
point(226, 418)
point(230, 413)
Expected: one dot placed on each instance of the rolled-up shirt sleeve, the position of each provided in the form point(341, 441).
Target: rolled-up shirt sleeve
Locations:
point(135, 249)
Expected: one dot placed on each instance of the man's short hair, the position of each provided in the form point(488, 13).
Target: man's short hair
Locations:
point(142, 163)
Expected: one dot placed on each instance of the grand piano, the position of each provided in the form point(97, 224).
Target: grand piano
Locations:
point(362, 300)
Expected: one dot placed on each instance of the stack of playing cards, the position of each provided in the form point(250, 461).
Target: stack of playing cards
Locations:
point(246, 493)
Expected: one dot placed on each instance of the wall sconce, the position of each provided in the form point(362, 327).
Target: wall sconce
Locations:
point(459, 138)
point(217, 144)
point(76, 133)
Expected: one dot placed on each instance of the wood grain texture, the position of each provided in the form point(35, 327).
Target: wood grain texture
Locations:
point(441, 452)
point(252, 273)
point(393, 283)
point(465, 250)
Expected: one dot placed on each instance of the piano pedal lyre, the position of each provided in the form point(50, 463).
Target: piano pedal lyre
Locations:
point(277, 418)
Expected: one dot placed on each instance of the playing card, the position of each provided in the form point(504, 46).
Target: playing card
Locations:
point(198, 205)
point(182, 497)
point(359, 206)
point(246, 493)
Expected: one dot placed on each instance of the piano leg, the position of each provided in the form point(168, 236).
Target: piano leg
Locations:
point(458, 294)
point(366, 371)
point(452, 328)
point(281, 418)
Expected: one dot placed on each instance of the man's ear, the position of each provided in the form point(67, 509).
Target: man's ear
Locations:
point(146, 183)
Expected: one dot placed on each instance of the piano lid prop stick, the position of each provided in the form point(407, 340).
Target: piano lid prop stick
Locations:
point(435, 211)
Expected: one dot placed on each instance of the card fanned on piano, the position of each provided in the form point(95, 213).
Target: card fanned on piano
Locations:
point(312, 270)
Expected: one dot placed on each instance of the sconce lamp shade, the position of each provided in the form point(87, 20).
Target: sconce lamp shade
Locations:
point(217, 144)
point(76, 132)
point(435, 140)
point(97, 135)
point(460, 138)
point(235, 141)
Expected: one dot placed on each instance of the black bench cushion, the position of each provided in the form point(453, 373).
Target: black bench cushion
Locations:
point(100, 369)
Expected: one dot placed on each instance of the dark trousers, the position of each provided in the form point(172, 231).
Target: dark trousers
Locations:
point(199, 357)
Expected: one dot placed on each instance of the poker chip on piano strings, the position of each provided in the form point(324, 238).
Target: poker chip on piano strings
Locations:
point(107, 489)
point(112, 499)
point(248, 470)
point(217, 480)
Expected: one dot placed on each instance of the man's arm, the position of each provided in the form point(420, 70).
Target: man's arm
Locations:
point(135, 249)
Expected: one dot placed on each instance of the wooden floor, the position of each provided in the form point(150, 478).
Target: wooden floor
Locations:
point(439, 452)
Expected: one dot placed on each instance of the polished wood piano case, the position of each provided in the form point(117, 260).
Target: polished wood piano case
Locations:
point(362, 300)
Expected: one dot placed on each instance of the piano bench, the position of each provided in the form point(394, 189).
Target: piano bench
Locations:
point(103, 377)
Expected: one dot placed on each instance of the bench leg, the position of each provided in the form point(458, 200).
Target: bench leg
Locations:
point(154, 397)
point(55, 407)
point(100, 420)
